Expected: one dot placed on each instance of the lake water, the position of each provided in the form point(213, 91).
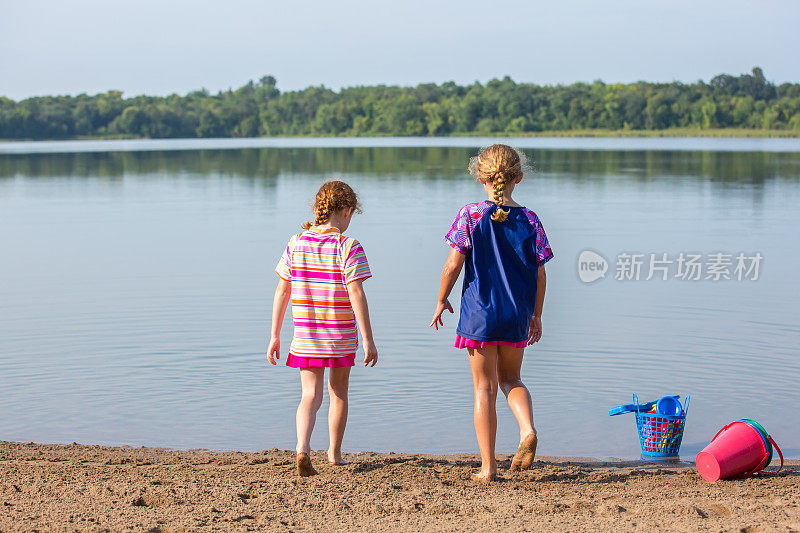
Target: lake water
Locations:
point(136, 280)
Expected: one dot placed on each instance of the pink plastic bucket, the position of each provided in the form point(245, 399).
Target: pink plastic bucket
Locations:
point(737, 451)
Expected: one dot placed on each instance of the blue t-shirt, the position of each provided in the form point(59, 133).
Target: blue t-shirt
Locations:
point(500, 275)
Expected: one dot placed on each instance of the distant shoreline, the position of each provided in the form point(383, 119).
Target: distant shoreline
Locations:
point(747, 105)
point(620, 143)
point(677, 133)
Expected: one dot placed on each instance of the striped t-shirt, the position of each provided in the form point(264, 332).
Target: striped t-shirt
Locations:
point(319, 263)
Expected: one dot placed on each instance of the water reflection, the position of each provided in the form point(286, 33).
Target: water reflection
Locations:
point(719, 168)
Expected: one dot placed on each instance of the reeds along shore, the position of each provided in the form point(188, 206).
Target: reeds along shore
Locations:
point(98, 488)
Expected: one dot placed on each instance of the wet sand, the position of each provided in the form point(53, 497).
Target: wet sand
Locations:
point(93, 488)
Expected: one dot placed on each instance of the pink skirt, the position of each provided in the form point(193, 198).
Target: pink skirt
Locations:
point(461, 342)
point(296, 361)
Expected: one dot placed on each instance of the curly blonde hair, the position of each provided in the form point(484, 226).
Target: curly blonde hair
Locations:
point(498, 164)
point(331, 197)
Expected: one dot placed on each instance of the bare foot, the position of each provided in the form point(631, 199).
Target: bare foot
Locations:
point(304, 468)
point(526, 453)
point(485, 476)
point(337, 460)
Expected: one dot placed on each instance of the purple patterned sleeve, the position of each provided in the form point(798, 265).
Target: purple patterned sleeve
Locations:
point(543, 251)
point(458, 235)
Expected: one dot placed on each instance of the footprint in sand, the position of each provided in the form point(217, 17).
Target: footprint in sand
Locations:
point(719, 510)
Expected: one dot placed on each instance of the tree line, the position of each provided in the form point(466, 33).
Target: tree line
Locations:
point(501, 106)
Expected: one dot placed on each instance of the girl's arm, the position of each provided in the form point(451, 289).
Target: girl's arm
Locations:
point(359, 302)
point(535, 332)
point(450, 273)
point(283, 293)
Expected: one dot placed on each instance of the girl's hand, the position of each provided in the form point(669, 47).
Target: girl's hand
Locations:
point(274, 350)
point(437, 315)
point(535, 333)
point(370, 353)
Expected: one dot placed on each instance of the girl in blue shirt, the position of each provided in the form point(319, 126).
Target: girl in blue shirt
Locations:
point(504, 248)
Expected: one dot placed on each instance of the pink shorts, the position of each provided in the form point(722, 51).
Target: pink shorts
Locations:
point(461, 342)
point(296, 361)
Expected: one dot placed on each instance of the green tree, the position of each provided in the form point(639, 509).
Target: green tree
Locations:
point(502, 105)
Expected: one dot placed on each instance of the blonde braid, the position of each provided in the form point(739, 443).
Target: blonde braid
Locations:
point(497, 164)
point(499, 189)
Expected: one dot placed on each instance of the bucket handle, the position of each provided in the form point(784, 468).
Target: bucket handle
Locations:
point(721, 430)
point(780, 454)
point(685, 407)
point(756, 470)
point(760, 468)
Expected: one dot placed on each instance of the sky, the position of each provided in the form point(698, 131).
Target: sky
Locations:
point(161, 47)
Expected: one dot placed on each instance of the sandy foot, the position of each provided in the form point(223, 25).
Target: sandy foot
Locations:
point(304, 467)
point(484, 477)
point(526, 453)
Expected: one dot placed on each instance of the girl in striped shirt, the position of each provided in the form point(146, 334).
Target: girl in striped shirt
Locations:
point(321, 272)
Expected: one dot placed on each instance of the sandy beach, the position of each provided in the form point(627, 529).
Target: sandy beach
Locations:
point(95, 488)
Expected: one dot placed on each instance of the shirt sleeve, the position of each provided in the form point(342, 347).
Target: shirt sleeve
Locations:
point(356, 266)
point(284, 268)
point(542, 249)
point(458, 236)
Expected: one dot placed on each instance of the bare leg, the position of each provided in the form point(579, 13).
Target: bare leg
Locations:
point(509, 363)
point(338, 383)
point(310, 401)
point(483, 362)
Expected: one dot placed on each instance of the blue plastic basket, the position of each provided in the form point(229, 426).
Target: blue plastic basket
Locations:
point(660, 435)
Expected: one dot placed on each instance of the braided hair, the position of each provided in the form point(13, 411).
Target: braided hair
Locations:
point(498, 164)
point(331, 197)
